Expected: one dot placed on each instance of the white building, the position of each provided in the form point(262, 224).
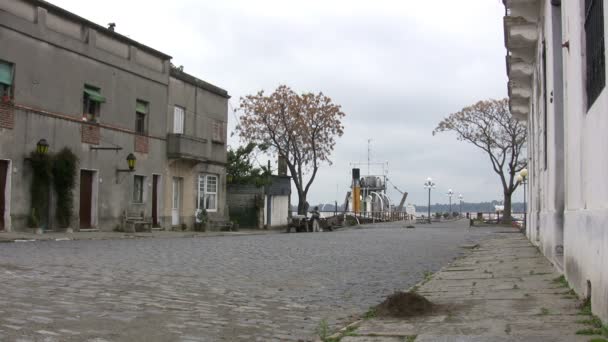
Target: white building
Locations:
point(556, 65)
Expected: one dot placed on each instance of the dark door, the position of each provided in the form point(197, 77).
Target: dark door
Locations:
point(3, 199)
point(86, 195)
point(155, 180)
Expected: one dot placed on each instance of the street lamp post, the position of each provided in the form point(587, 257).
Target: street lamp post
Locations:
point(460, 197)
point(450, 194)
point(523, 179)
point(429, 185)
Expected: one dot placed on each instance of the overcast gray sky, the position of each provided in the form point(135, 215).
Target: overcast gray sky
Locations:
point(397, 68)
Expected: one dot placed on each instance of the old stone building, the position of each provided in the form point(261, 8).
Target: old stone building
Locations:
point(79, 85)
point(556, 64)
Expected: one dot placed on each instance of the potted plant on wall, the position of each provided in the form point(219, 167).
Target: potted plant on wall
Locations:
point(34, 222)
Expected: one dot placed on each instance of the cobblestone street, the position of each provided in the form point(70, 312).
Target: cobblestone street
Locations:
point(258, 287)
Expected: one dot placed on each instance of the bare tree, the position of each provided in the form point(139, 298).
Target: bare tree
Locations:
point(300, 128)
point(490, 126)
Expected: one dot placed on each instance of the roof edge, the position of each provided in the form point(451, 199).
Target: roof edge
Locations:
point(56, 9)
point(183, 76)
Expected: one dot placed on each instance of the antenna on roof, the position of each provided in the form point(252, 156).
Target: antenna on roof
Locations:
point(111, 26)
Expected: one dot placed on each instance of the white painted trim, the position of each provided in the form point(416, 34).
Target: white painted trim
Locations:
point(7, 196)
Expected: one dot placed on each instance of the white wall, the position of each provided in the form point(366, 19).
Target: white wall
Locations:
point(279, 210)
point(568, 201)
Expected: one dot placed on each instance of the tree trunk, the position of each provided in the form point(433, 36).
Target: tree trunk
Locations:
point(302, 204)
point(506, 214)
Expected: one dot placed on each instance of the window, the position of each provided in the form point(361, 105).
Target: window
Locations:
point(141, 110)
point(91, 103)
point(207, 192)
point(178, 120)
point(6, 79)
point(594, 38)
point(218, 131)
point(138, 189)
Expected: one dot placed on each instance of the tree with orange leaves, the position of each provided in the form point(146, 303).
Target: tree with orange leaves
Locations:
point(301, 128)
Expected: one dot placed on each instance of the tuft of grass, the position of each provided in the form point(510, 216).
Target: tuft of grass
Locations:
point(515, 287)
point(561, 281)
point(371, 313)
point(589, 331)
point(594, 321)
point(544, 312)
point(323, 330)
point(598, 340)
point(585, 308)
point(410, 338)
point(350, 331)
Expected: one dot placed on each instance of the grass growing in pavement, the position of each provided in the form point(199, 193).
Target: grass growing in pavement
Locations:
point(585, 309)
point(350, 331)
point(371, 313)
point(597, 327)
point(543, 312)
point(561, 281)
point(589, 331)
point(598, 340)
point(323, 330)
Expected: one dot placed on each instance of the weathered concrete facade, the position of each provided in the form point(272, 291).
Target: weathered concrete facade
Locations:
point(196, 171)
point(556, 66)
point(102, 95)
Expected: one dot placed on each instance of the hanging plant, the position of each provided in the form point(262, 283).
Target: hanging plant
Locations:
point(40, 187)
point(64, 181)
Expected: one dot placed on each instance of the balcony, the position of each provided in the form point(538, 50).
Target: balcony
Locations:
point(187, 147)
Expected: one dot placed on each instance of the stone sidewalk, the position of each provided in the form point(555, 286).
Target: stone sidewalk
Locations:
point(504, 290)
point(103, 235)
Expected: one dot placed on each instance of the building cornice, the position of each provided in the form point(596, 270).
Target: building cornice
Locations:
point(521, 40)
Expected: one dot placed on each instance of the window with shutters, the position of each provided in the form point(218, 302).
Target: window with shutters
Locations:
point(141, 111)
point(178, 120)
point(594, 40)
point(6, 79)
point(91, 103)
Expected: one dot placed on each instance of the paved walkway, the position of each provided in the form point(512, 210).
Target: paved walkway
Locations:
point(61, 236)
point(504, 290)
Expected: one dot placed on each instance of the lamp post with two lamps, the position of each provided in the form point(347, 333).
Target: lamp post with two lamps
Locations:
point(523, 179)
point(429, 185)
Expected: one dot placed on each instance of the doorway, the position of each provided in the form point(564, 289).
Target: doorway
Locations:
point(176, 201)
point(4, 194)
point(86, 199)
point(155, 187)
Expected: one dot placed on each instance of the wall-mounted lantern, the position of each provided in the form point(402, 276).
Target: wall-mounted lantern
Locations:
point(131, 160)
point(42, 147)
